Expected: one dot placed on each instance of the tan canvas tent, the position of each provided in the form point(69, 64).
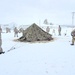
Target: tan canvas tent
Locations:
point(35, 33)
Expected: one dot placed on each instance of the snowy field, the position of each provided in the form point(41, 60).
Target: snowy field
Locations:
point(51, 58)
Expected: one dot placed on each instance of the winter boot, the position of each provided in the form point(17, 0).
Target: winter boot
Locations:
point(72, 44)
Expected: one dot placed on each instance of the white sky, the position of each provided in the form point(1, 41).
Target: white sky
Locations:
point(29, 11)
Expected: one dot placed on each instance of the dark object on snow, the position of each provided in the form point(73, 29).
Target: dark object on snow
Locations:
point(35, 33)
point(72, 44)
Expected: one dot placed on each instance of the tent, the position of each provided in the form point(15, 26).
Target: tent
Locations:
point(35, 33)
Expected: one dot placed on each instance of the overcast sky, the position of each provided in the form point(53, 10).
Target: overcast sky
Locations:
point(29, 11)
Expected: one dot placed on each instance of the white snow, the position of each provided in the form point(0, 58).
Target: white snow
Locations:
point(47, 58)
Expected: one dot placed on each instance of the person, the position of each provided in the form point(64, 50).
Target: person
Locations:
point(47, 29)
point(1, 50)
point(7, 30)
point(0, 29)
point(73, 36)
point(15, 32)
point(59, 30)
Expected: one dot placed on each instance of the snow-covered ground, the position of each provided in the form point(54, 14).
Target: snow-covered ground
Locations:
point(46, 58)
